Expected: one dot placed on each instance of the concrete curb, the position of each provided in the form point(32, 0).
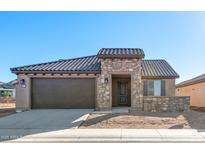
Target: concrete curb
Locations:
point(116, 136)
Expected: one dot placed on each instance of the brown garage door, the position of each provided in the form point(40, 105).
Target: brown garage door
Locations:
point(63, 93)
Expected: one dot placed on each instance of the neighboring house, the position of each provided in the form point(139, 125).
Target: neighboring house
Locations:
point(112, 78)
point(195, 88)
point(1, 83)
point(7, 88)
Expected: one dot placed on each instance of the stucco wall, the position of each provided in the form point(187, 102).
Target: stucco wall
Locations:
point(23, 93)
point(196, 93)
point(170, 87)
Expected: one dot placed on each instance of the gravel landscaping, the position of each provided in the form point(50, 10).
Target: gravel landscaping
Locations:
point(186, 120)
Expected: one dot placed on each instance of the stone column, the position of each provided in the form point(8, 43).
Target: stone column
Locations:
point(103, 92)
point(103, 87)
point(137, 88)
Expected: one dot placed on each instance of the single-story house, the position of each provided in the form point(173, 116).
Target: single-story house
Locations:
point(112, 78)
point(195, 88)
point(7, 89)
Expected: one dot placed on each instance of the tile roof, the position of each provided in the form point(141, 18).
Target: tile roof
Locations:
point(157, 68)
point(91, 64)
point(198, 79)
point(121, 53)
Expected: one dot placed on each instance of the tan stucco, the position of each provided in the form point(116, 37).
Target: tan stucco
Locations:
point(170, 87)
point(196, 93)
point(23, 93)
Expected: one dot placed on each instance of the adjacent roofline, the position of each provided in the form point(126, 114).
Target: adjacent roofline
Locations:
point(7, 89)
point(188, 83)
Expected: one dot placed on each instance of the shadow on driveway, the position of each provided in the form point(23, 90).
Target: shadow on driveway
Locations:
point(40, 121)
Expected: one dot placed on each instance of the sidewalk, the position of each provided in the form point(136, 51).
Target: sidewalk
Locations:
point(116, 135)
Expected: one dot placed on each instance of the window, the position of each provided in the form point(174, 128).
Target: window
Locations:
point(157, 88)
point(150, 87)
point(154, 88)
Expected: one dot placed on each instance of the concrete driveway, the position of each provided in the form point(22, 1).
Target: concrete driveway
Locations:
point(40, 121)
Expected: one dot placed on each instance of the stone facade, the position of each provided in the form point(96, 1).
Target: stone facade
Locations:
point(165, 104)
point(117, 66)
point(132, 67)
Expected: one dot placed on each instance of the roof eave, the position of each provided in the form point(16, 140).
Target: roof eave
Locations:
point(160, 77)
point(189, 83)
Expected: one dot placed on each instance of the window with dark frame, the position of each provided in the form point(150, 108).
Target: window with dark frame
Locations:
point(154, 88)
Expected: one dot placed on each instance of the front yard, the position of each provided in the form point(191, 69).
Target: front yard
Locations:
point(195, 119)
point(186, 120)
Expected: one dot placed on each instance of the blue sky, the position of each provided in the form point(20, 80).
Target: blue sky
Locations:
point(35, 37)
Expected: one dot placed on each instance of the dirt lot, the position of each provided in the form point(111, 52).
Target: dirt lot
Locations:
point(7, 109)
point(192, 119)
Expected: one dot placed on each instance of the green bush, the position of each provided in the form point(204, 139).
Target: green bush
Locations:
point(6, 93)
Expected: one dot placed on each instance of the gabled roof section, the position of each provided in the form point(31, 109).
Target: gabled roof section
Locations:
point(89, 64)
point(198, 79)
point(121, 53)
point(157, 69)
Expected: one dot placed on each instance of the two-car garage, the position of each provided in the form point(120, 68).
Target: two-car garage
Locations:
point(62, 93)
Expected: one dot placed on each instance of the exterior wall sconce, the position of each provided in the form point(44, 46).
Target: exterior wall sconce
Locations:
point(106, 80)
point(23, 83)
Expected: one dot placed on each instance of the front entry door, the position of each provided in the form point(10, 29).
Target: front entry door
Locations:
point(123, 93)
